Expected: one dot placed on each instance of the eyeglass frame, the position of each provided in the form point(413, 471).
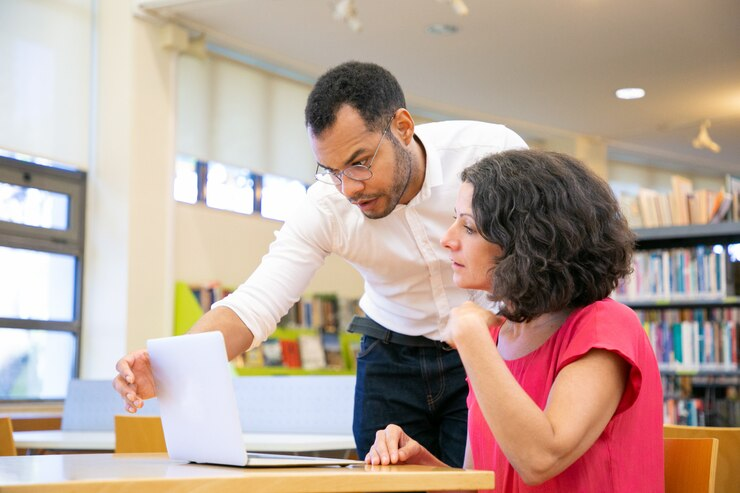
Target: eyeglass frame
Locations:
point(339, 175)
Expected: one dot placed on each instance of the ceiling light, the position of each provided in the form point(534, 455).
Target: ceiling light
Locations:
point(442, 29)
point(703, 140)
point(346, 11)
point(630, 93)
point(457, 5)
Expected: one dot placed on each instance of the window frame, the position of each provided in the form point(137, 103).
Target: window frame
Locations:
point(71, 241)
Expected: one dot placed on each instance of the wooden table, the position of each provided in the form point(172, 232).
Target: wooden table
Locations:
point(58, 440)
point(145, 473)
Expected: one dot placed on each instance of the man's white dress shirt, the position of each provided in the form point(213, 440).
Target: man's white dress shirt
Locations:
point(407, 272)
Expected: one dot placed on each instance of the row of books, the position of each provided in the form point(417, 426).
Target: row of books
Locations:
point(325, 312)
point(304, 349)
point(694, 412)
point(697, 339)
point(723, 412)
point(689, 412)
point(699, 272)
point(682, 206)
point(209, 294)
point(309, 337)
point(690, 401)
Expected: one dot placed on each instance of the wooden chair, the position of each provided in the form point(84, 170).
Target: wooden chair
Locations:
point(7, 444)
point(139, 434)
point(690, 464)
point(728, 454)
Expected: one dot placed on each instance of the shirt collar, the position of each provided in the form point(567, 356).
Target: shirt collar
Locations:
point(433, 170)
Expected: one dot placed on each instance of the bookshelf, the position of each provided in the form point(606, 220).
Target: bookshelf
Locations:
point(686, 291)
point(309, 340)
point(674, 236)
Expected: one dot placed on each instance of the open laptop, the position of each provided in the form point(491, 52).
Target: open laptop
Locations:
point(198, 406)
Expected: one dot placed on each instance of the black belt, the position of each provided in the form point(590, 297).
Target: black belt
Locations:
point(371, 328)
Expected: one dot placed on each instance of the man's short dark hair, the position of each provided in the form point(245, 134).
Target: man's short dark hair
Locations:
point(369, 88)
point(565, 241)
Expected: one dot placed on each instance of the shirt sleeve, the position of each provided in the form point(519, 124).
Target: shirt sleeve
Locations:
point(613, 327)
point(299, 250)
point(514, 141)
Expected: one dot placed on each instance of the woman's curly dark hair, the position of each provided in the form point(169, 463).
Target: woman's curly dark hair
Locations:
point(369, 88)
point(565, 241)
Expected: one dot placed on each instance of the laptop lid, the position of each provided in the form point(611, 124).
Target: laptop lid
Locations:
point(198, 406)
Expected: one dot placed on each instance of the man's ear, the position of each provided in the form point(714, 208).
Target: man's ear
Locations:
point(403, 125)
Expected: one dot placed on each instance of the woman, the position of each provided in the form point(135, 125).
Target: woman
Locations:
point(565, 392)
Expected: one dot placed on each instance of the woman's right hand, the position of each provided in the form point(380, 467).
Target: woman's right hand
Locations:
point(135, 381)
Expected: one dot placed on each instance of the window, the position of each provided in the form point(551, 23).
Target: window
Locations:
point(41, 258)
point(236, 189)
point(186, 179)
point(280, 196)
point(229, 188)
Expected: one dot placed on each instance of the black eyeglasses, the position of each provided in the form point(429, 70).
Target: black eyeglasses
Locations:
point(357, 172)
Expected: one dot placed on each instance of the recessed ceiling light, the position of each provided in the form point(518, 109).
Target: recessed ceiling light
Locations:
point(442, 29)
point(630, 93)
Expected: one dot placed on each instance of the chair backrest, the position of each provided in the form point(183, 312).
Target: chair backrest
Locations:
point(139, 434)
point(728, 454)
point(690, 464)
point(296, 403)
point(7, 444)
point(91, 404)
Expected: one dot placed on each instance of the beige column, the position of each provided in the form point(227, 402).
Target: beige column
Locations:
point(591, 150)
point(128, 287)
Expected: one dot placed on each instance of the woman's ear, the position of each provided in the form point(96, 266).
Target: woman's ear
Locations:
point(403, 124)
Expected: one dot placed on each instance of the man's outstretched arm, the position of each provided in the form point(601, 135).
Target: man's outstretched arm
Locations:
point(135, 382)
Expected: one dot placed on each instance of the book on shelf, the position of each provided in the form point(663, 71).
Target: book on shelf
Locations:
point(647, 201)
point(630, 210)
point(320, 312)
point(312, 352)
point(700, 401)
point(682, 205)
point(250, 359)
point(272, 352)
point(682, 188)
point(311, 336)
point(332, 350)
point(732, 185)
point(701, 339)
point(688, 412)
point(208, 294)
point(291, 353)
point(690, 273)
point(700, 204)
point(720, 207)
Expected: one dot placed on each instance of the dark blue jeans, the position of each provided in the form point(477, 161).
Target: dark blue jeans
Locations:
point(421, 389)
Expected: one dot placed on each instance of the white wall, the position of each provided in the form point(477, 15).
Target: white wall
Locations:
point(656, 178)
point(214, 245)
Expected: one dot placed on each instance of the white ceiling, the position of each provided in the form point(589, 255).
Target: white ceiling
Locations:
point(552, 64)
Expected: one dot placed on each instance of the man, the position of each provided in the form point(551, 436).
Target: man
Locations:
point(385, 196)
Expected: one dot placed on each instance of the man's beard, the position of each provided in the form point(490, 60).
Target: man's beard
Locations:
point(402, 171)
